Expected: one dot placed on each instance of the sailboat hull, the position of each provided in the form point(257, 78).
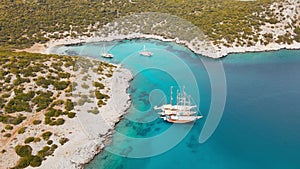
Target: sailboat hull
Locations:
point(144, 53)
point(179, 121)
point(107, 55)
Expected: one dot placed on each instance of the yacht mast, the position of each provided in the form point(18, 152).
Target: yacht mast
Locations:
point(184, 97)
point(189, 103)
point(171, 93)
point(177, 98)
point(182, 111)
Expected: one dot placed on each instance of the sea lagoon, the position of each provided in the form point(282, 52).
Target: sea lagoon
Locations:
point(260, 117)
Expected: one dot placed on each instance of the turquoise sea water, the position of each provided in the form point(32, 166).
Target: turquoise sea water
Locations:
point(259, 128)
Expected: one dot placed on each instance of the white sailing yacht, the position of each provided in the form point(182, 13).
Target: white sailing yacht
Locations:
point(182, 112)
point(144, 52)
point(105, 54)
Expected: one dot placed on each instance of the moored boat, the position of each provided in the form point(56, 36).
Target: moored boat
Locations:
point(105, 54)
point(181, 112)
point(144, 52)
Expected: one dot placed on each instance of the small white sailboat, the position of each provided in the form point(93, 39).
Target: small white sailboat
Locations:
point(105, 54)
point(144, 52)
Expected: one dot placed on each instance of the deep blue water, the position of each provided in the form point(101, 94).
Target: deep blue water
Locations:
point(259, 128)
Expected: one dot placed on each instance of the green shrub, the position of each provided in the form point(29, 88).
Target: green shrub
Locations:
point(41, 81)
point(57, 65)
point(15, 105)
point(36, 122)
point(49, 142)
point(59, 121)
point(85, 86)
point(99, 85)
point(58, 103)
point(2, 102)
point(47, 120)
point(81, 101)
point(23, 150)
point(46, 151)
point(23, 162)
point(100, 103)
point(50, 113)
point(108, 75)
point(100, 95)
point(7, 135)
point(70, 89)
point(53, 147)
point(29, 72)
point(94, 110)
point(37, 139)
point(46, 135)
point(20, 80)
point(7, 79)
point(21, 130)
point(18, 120)
point(64, 75)
point(84, 78)
point(61, 85)
point(4, 118)
point(36, 161)
point(43, 100)
point(71, 114)
point(6, 95)
point(29, 140)
point(7, 119)
point(69, 63)
point(9, 127)
point(69, 105)
point(63, 140)
point(54, 113)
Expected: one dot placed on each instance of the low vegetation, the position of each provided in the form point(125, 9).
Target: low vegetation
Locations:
point(37, 139)
point(27, 159)
point(9, 127)
point(94, 110)
point(71, 114)
point(8, 119)
point(63, 140)
point(219, 20)
point(7, 135)
point(23, 151)
point(37, 122)
point(29, 140)
point(43, 99)
point(46, 135)
point(22, 130)
point(49, 142)
point(34, 94)
point(52, 114)
point(69, 105)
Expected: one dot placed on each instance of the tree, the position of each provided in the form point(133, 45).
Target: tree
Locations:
point(23, 150)
point(69, 105)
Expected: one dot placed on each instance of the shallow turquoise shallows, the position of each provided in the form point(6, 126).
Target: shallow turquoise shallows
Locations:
point(260, 126)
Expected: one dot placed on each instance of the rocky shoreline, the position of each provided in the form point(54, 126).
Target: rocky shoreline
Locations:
point(95, 130)
point(210, 51)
